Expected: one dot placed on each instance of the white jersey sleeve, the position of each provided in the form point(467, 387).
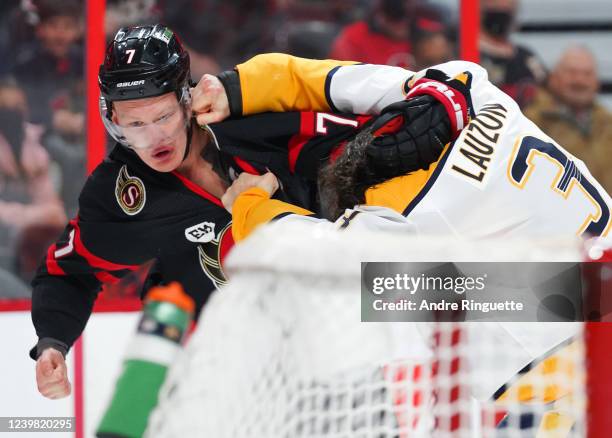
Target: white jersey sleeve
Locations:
point(368, 88)
point(361, 217)
point(279, 82)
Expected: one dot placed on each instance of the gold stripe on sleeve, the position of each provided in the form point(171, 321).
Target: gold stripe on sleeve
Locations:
point(254, 207)
point(278, 82)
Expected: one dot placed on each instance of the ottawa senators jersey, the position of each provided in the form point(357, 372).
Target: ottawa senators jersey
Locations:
point(291, 145)
point(130, 214)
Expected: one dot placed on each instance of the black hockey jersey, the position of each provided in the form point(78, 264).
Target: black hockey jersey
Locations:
point(130, 214)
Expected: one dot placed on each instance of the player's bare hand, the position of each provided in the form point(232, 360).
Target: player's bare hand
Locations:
point(246, 181)
point(12, 213)
point(52, 374)
point(209, 100)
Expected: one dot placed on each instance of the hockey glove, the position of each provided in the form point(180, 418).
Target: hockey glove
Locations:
point(411, 134)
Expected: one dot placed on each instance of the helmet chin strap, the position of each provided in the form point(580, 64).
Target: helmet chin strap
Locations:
point(188, 145)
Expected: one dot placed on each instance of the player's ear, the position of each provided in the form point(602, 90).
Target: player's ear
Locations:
point(114, 117)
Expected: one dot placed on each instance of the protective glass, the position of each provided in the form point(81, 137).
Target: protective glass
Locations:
point(139, 135)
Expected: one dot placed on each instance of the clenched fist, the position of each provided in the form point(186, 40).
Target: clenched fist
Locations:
point(246, 181)
point(209, 100)
point(52, 374)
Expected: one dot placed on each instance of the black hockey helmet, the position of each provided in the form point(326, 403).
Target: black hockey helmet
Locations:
point(143, 61)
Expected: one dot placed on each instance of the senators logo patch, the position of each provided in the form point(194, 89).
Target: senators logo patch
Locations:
point(213, 253)
point(130, 192)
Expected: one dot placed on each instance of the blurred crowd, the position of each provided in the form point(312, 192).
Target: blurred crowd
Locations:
point(42, 88)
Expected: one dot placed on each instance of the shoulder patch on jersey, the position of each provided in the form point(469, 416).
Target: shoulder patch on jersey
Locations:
point(130, 192)
point(201, 233)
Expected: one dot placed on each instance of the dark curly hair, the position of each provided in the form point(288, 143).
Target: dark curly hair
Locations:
point(343, 183)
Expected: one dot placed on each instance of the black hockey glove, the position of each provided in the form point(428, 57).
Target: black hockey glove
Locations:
point(410, 135)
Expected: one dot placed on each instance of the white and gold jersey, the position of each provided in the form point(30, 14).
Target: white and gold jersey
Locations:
point(501, 177)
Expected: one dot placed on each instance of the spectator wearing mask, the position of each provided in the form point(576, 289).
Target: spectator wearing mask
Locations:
point(568, 111)
point(28, 200)
point(430, 42)
point(384, 38)
point(57, 53)
point(513, 68)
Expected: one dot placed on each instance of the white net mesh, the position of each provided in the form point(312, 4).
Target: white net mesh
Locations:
point(281, 351)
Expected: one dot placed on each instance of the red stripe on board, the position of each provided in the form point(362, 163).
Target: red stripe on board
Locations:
point(197, 189)
point(15, 305)
point(133, 304)
point(94, 56)
point(297, 142)
point(246, 166)
point(470, 30)
point(92, 259)
point(78, 389)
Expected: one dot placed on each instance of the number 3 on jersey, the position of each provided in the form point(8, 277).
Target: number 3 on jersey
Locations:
point(568, 181)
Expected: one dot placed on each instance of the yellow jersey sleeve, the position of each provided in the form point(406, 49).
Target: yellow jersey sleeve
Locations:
point(277, 82)
point(254, 207)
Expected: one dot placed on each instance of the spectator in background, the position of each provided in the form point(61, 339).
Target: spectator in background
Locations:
point(206, 38)
point(341, 12)
point(66, 144)
point(309, 39)
point(29, 204)
point(8, 9)
point(220, 33)
point(57, 97)
point(57, 53)
point(513, 68)
point(122, 13)
point(307, 28)
point(569, 113)
point(430, 42)
point(381, 39)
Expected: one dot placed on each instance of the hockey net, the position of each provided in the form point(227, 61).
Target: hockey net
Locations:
point(281, 351)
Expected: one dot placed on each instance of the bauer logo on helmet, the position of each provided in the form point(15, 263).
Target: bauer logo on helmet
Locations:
point(130, 84)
